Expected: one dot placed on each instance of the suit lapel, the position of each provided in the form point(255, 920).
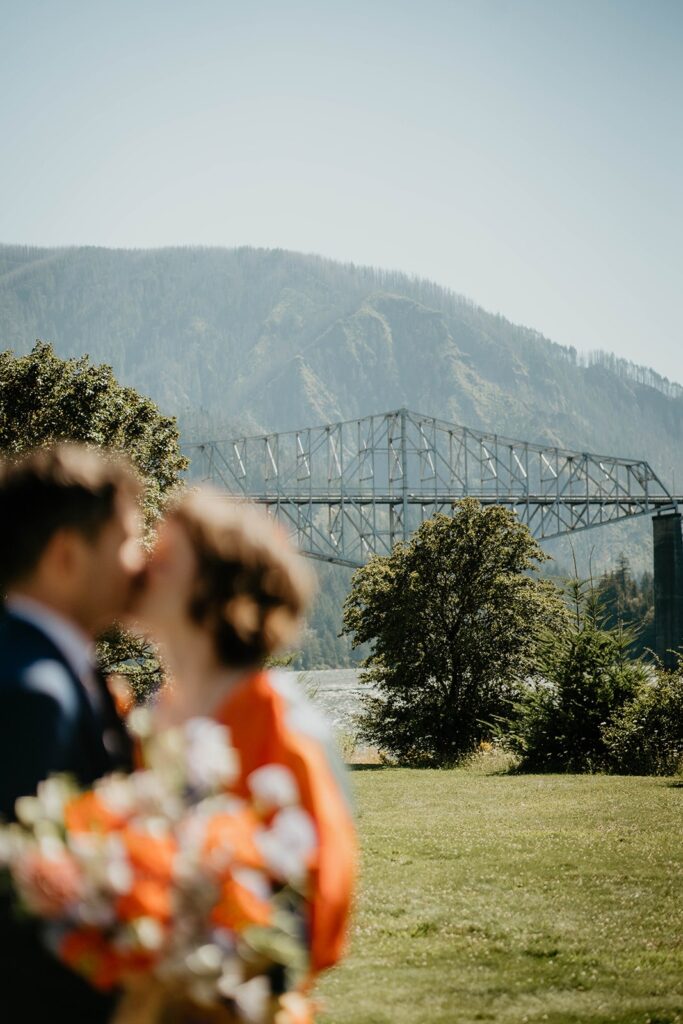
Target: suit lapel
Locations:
point(103, 732)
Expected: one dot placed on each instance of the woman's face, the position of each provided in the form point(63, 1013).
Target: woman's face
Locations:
point(164, 596)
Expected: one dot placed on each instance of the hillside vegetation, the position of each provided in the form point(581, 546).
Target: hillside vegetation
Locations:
point(273, 339)
point(244, 340)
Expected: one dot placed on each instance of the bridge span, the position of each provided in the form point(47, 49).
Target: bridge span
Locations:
point(352, 489)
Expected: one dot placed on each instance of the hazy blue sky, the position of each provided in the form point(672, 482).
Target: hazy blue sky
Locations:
point(527, 154)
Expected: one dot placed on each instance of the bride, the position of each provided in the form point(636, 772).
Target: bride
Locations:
point(223, 591)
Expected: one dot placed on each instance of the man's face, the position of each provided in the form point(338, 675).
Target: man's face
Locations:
point(109, 568)
point(162, 602)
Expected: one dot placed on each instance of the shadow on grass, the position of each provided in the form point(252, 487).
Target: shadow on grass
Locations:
point(367, 767)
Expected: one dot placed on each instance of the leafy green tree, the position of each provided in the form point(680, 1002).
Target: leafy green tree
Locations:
point(454, 618)
point(44, 398)
point(585, 675)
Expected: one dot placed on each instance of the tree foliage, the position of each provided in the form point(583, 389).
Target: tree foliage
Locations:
point(454, 618)
point(44, 398)
point(645, 735)
point(585, 674)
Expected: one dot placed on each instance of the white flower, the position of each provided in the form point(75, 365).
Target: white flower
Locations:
point(10, 845)
point(273, 786)
point(288, 844)
point(53, 794)
point(191, 833)
point(232, 975)
point(47, 828)
point(156, 792)
point(152, 825)
point(116, 794)
point(185, 867)
point(253, 999)
point(28, 810)
point(221, 803)
point(119, 876)
point(85, 846)
point(205, 961)
point(210, 760)
point(51, 847)
point(148, 932)
point(95, 913)
point(253, 880)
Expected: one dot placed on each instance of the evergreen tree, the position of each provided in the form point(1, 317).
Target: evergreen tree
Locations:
point(628, 602)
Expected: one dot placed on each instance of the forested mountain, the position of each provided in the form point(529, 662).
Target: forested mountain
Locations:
point(243, 340)
point(275, 340)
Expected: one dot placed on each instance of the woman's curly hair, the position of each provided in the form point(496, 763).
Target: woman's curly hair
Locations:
point(252, 587)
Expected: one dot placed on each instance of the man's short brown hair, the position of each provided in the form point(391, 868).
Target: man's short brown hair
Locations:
point(63, 486)
point(252, 586)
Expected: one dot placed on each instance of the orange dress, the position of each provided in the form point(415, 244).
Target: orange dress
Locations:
point(271, 722)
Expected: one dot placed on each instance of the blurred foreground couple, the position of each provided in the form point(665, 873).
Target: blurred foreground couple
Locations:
point(219, 591)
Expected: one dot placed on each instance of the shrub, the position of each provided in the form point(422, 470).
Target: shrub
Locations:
point(645, 737)
point(585, 676)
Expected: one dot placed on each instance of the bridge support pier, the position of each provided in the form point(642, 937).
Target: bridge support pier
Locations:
point(668, 584)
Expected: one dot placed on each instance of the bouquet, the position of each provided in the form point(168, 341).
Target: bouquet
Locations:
point(167, 885)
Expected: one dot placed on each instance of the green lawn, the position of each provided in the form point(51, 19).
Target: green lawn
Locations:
point(514, 898)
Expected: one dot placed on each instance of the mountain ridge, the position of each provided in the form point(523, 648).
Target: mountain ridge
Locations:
point(245, 341)
point(270, 340)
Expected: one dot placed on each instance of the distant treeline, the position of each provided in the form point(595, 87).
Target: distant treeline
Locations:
point(624, 369)
point(627, 599)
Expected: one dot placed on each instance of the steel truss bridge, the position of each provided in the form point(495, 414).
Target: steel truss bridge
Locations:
point(350, 490)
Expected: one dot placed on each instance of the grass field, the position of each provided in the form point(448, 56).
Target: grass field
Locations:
point(514, 898)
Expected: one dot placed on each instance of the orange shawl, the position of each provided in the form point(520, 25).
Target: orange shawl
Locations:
point(271, 722)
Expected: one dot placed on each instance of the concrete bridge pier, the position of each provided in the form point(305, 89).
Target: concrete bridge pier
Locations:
point(668, 582)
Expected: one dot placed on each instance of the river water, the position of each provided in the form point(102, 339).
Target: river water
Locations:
point(337, 691)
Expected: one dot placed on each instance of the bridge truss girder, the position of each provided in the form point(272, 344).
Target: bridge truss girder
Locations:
point(349, 490)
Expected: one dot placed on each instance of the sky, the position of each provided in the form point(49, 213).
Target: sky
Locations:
point(525, 153)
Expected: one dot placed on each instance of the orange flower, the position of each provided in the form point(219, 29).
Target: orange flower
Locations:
point(48, 884)
point(238, 907)
point(150, 855)
point(148, 898)
point(88, 953)
point(232, 836)
point(89, 813)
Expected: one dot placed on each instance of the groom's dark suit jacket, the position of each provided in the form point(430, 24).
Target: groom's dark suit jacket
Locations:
point(49, 723)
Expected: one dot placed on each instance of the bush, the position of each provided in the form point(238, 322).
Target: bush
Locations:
point(585, 676)
point(646, 736)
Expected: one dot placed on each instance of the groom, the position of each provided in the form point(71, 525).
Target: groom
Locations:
point(70, 555)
